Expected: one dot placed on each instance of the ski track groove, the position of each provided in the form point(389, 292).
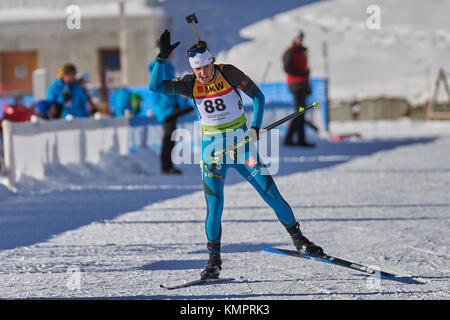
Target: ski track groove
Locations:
point(372, 215)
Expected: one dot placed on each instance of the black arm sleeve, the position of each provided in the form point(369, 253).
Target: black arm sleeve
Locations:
point(181, 85)
point(240, 80)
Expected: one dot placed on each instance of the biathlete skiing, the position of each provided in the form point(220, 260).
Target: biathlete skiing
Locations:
point(216, 92)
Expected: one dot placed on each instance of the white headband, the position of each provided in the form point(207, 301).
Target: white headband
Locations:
point(201, 59)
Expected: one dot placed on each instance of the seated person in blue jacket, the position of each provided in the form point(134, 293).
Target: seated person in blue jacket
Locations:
point(68, 95)
point(127, 103)
point(167, 108)
point(45, 109)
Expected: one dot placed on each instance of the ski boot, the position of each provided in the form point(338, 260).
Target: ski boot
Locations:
point(212, 270)
point(302, 244)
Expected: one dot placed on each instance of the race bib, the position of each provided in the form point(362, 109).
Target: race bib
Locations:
point(218, 104)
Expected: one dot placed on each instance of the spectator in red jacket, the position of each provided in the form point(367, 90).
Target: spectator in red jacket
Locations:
point(17, 113)
point(295, 62)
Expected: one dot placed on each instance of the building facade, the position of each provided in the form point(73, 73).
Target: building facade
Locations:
point(90, 34)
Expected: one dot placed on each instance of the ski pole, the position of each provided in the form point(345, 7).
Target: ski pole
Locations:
point(192, 19)
point(220, 153)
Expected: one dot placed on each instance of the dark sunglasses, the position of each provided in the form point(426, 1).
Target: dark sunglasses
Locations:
point(191, 53)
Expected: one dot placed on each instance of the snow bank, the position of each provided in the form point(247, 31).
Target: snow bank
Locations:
point(381, 203)
point(402, 58)
point(4, 191)
point(42, 148)
point(401, 128)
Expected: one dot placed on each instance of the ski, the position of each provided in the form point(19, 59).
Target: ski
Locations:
point(332, 260)
point(198, 282)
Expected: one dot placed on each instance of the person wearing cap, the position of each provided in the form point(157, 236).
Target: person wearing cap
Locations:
point(67, 94)
point(216, 92)
point(295, 63)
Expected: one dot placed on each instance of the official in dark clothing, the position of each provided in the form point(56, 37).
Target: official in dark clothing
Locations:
point(167, 109)
point(295, 62)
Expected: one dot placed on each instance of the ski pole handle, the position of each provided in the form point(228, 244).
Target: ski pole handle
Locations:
point(192, 19)
point(299, 112)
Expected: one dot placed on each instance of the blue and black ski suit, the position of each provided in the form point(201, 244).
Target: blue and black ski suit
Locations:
point(223, 120)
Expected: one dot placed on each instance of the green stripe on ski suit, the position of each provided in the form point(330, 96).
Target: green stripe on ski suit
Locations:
point(221, 128)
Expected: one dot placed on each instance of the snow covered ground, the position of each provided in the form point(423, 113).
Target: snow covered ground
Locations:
point(381, 200)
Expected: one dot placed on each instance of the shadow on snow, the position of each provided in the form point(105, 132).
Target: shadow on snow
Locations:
point(35, 218)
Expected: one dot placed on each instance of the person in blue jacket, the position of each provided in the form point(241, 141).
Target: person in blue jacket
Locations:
point(167, 108)
point(216, 92)
point(68, 95)
point(45, 109)
point(127, 103)
point(122, 106)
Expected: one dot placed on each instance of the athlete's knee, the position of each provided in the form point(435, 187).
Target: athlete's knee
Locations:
point(275, 200)
point(271, 192)
point(215, 205)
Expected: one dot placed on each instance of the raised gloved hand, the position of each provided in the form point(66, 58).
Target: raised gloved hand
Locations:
point(165, 47)
point(253, 133)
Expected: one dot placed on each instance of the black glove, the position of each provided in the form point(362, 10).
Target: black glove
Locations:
point(165, 48)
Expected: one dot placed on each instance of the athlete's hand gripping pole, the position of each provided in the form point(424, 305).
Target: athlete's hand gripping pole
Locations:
point(218, 154)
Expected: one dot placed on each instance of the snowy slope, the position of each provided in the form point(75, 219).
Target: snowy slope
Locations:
point(400, 59)
point(382, 200)
point(219, 22)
